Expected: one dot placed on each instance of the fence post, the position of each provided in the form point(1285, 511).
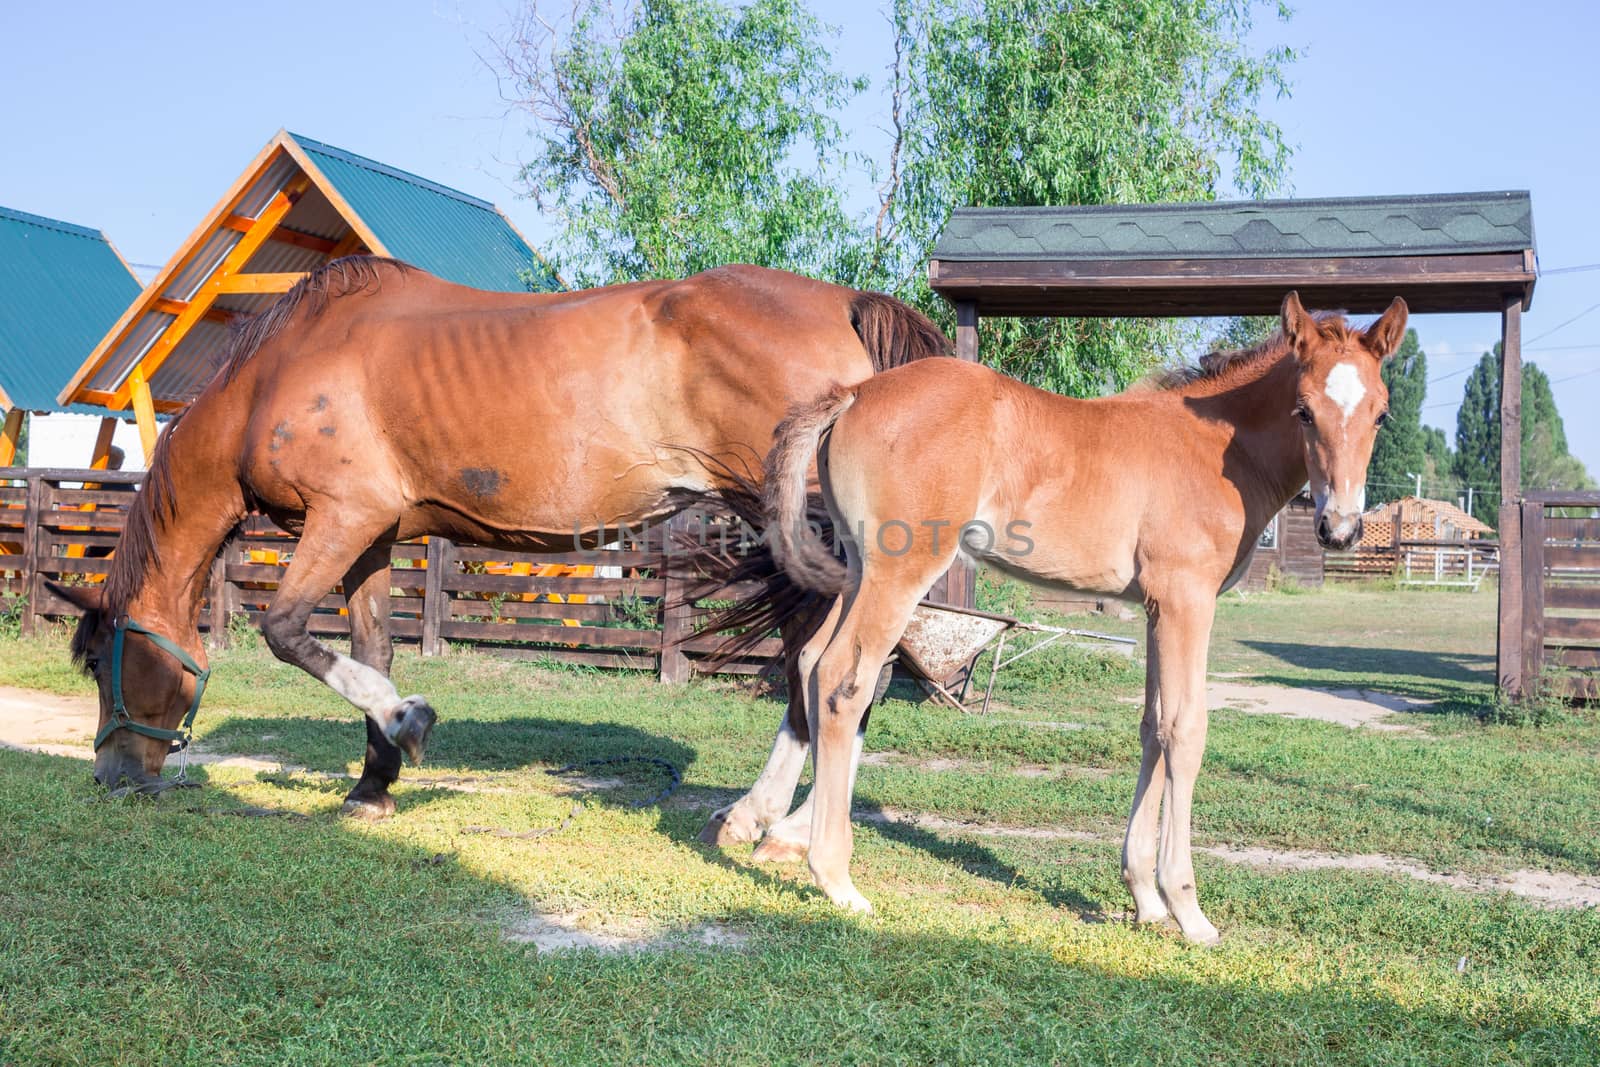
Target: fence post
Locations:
point(30, 553)
point(435, 600)
point(1532, 597)
point(218, 591)
point(676, 611)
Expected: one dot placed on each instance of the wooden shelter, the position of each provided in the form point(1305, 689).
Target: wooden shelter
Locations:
point(1288, 549)
point(61, 286)
point(1419, 518)
point(1442, 253)
point(299, 204)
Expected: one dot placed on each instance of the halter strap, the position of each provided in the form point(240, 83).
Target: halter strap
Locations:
point(121, 720)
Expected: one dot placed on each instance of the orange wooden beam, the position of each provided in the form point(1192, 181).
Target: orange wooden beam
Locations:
point(10, 436)
point(256, 283)
point(176, 330)
point(178, 307)
point(285, 236)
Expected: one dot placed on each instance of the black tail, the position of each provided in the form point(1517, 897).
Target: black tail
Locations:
point(893, 333)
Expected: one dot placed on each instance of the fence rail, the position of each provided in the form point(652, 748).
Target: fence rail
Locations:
point(617, 607)
point(1558, 600)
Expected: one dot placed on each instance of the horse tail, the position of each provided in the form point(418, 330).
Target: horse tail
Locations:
point(893, 332)
point(798, 550)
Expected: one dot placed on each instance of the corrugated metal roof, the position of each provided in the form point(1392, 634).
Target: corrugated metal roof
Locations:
point(1441, 224)
point(61, 288)
point(442, 230)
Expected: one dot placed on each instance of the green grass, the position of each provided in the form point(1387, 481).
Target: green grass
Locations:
point(168, 932)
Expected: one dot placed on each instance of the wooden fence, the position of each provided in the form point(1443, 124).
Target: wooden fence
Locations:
point(1426, 561)
point(1556, 605)
point(613, 607)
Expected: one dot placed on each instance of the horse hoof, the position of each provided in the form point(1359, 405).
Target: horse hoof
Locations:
point(370, 808)
point(777, 850)
point(415, 722)
point(730, 826)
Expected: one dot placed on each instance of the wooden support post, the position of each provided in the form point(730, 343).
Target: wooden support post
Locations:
point(10, 436)
point(676, 612)
point(101, 458)
point(967, 331)
point(435, 599)
point(144, 411)
point(219, 593)
point(1532, 534)
point(1508, 641)
point(32, 512)
point(958, 586)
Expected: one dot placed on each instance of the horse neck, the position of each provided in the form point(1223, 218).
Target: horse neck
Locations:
point(1267, 438)
point(198, 460)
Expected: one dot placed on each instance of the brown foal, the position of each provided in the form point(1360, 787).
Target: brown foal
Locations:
point(1157, 495)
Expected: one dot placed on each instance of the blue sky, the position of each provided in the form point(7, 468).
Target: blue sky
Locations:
point(136, 124)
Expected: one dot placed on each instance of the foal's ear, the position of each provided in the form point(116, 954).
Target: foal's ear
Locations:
point(1385, 335)
point(86, 598)
point(1297, 322)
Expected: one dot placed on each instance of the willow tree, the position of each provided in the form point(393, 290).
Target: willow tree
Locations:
point(671, 135)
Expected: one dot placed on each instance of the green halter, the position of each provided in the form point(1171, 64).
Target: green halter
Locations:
point(121, 720)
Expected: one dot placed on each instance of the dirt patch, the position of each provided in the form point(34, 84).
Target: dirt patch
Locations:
point(44, 722)
point(887, 816)
point(1353, 708)
point(891, 758)
point(1546, 887)
point(555, 931)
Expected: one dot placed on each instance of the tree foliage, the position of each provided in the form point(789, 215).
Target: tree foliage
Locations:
point(671, 135)
point(1546, 463)
point(1400, 450)
point(676, 135)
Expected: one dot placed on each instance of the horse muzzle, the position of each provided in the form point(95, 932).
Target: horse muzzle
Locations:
point(1337, 532)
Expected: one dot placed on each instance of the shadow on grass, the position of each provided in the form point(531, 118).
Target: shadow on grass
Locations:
point(305, 941)
point(1363, 663)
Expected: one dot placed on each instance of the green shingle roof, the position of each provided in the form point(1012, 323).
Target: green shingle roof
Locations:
point(1444, 224)
point(61, 288)
point(442, 230)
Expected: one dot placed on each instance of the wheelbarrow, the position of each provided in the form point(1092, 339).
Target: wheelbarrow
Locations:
point(942, 643)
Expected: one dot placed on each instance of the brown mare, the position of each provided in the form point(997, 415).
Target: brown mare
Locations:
point(1157, 495)
point(375, 403)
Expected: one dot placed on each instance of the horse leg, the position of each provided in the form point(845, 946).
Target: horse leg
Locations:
point(1139, 847)
point(747, 818)
point(788, 839)
point(366, 587)
point(1183, 633)
point(838, 694)
point(327, 549)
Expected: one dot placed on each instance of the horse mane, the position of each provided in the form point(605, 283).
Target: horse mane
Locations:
point(1229, 363)
point(336, 278)
point(136, 550)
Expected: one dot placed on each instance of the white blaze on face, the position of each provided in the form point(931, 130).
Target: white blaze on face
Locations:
point(1345, 389)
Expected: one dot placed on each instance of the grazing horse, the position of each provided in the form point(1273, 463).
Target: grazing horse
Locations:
point(374, 403)
point(1157, 495)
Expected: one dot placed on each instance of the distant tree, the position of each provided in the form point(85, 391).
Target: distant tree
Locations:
point(1439, 465)
point(1546, 463)
point(1400, 451)
point(671, 135)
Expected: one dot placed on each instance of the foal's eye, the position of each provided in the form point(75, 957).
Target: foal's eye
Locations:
point(1303, 414)
point(1383, 417)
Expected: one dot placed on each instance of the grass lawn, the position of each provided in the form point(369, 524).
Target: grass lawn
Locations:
point(168, 932)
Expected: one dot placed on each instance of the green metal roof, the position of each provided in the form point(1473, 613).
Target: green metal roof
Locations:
point(442, 230)
point(1444, 224)
point(61, 288)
